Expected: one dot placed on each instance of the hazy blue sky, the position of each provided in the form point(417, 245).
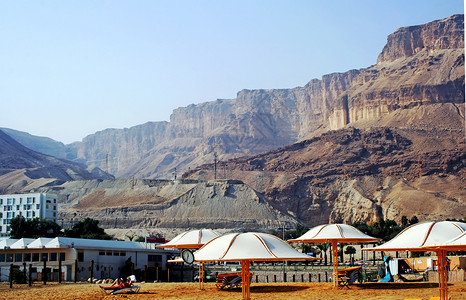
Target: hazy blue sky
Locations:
point(71, 68)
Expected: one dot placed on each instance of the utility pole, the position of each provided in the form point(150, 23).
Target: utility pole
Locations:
point(215, 165)
point(106, 163)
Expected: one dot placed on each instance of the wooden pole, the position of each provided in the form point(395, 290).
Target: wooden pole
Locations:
point(245, 270)
point(44, 272)
point(75, 270)
point(92, 270)
point(11, 276)
point(59, 271)
point(30, 275)
point(335, 262)
point(201, 276)
point(442, 272)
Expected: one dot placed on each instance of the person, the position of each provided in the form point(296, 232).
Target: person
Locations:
point(448, 264)
point(119, 284)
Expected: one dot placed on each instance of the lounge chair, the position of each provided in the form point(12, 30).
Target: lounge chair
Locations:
point(131, 289)
point(229, 281)
point(348, 276)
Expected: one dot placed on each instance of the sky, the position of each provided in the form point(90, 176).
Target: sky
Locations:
point(71, 68)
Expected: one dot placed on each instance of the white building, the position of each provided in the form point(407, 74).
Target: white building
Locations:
point(36, 205)
point(76, 256)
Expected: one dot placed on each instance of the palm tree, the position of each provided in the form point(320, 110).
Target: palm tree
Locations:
point(324, 247)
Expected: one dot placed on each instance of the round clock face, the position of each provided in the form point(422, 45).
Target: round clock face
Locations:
point(187, 256)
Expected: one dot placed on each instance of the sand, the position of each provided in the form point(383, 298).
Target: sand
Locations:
point(425, 290)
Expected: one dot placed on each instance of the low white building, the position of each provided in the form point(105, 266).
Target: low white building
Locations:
point(76, 256)
point(30, 206)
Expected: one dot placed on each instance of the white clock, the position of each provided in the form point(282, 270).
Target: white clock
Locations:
point(187, 256)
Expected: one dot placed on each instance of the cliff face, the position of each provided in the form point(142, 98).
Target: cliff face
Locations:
point(438, 35)
point(420, 65)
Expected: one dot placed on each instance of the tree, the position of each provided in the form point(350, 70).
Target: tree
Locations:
point(404, 221)
point(33, 228)
point(413, 220)
point(324, 247)
point(87, 229)
point(351, 251)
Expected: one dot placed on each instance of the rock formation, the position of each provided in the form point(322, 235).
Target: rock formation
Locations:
point(168, 204)
point(420, 66)
point(24, 169)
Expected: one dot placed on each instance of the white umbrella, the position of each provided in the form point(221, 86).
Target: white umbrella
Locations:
point(247, 247)
point(193, 239)
point(426, 236)
point(334, 234)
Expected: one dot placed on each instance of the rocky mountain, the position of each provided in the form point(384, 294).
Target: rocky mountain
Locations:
point(383, 141)
point(165, 204)
point(22, 168)
point(361, 175)
point(419, 66)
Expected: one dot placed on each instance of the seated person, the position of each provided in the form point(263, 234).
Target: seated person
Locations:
point(118, 284)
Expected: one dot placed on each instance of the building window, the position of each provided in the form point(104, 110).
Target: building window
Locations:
point(35, 256)
point(101, 253)
point(8, 215)
point(37, 206)
point(109, 253)
point(53, 256)
point(18, 257)
point(29, 214)
point(54, 214)
point(80, 256)
point(122, 253)
point(29, 200)
point(61, 256)
point(18, 207)
point(33, 214)
point(27, 256)
point(157, 258)
point(54, 200)
point(9, 257)
point(54, 207)
point(2, 257)
point(9, 201)
point(44, 257)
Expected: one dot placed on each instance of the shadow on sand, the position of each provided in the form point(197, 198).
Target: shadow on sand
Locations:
point(397, 285)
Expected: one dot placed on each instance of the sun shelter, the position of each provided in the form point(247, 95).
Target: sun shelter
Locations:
point(247, 247)
point(427, 236)
point(193, 239)
point(334, 234)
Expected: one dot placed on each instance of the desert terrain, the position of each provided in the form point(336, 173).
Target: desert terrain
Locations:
point(424, 290)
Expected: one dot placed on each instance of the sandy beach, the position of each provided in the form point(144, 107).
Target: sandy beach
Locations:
point(424, 290)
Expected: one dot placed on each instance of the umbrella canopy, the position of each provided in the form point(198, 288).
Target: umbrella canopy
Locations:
point(456, 244)
point(334, 234)
point(247, 247)
point(252, 246)
point(420, 235)
point(193, 239)
point(341, 233)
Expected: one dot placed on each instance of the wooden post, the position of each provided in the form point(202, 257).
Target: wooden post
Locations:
point(92, 270)
point(44, 273)
point(24, 269)
point(335, 262)
point(145, 273)
point(168, 274)
point(59, 271)
point(157, 274)
point(75, 270)
point(267, 278)
point(11, 276)
point(245, 285)
point(30, 275)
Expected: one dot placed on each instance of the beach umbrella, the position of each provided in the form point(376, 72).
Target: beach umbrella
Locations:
point(334, 234)
point(427, 236)
point(193, 239)
point(245, 248)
